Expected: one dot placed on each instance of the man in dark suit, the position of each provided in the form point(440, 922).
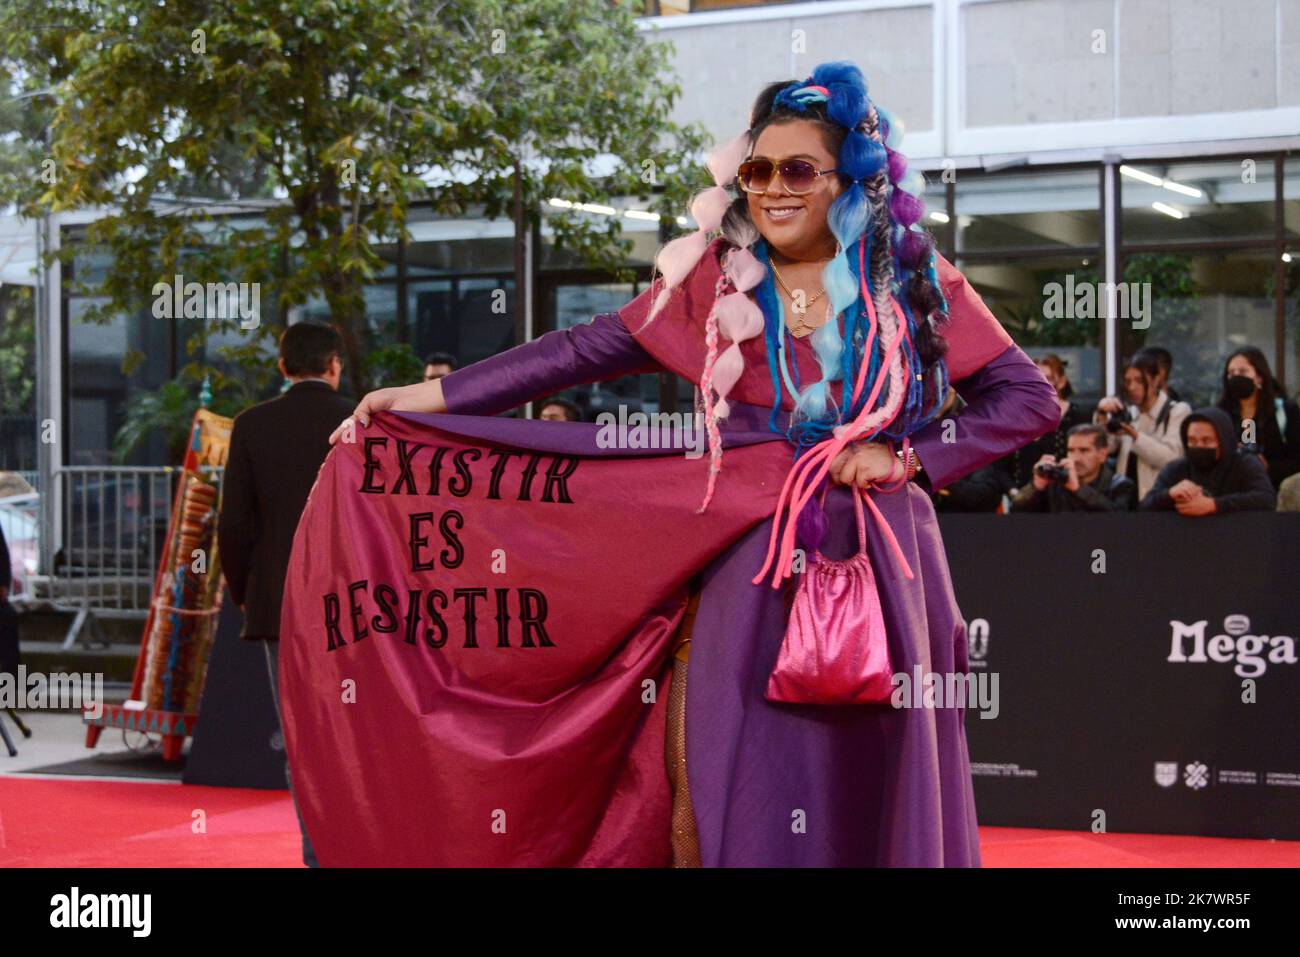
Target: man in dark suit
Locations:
point(8, 643)
point(276, 449)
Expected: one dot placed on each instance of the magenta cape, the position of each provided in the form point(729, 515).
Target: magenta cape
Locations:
point(475, 634)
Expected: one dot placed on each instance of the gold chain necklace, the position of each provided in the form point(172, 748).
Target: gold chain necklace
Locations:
point(800, 327)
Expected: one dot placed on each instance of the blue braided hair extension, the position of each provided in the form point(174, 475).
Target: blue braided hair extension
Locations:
point(771, 306)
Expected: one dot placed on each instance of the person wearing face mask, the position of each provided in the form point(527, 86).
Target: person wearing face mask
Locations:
point(1213, 477)
point(1144, 429)
point(1081, 481)
point(1262, 416)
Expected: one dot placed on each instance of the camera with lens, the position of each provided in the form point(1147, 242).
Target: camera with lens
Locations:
point(1053, 473)
point(1118, 419)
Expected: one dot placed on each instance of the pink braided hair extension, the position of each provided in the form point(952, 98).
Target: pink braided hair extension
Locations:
point(738, 318)
point(733, 314)
point(706, 392)
point(678, 257)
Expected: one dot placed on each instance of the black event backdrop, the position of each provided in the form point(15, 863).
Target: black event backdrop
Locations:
point(1089, 704)
point(1094, 717)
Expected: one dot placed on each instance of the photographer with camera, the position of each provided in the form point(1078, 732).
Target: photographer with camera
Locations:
point(1144, 432)
point(1081, 481)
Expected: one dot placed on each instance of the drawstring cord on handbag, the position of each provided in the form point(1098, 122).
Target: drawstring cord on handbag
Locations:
point(809, 472)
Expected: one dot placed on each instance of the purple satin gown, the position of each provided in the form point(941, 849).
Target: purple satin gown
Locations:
point(796, 785)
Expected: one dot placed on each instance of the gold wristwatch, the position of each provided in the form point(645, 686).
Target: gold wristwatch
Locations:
point(913, 463)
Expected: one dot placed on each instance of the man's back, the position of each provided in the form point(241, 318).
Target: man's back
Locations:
point(276, 450)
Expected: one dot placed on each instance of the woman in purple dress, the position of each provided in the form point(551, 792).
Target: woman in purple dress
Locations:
point(822, 313)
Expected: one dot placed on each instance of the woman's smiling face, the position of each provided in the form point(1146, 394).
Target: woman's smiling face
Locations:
point(795, 226)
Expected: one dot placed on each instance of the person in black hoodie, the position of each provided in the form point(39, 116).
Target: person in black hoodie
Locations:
point(1213, 477)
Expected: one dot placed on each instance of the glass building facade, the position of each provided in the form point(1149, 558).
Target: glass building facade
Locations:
point(1114, 140)
point(1220, 266)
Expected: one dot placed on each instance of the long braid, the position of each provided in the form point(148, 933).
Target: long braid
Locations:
point(882, 264)
point(737, 317)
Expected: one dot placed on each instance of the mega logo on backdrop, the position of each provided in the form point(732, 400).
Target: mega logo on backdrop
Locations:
point(1252, 653)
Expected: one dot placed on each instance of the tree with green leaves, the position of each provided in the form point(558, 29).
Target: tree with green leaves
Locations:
point(328, 119)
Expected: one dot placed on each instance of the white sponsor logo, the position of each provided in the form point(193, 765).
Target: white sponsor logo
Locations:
point(977, 642)
point(1166, 773)
point(1189, 644)
point(1196, 775)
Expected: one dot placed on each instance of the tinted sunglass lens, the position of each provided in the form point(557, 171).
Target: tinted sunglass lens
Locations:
point(798, 175)
point(756, 177)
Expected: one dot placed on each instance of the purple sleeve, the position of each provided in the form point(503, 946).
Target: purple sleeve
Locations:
point(600, 349)
point(1010, 404)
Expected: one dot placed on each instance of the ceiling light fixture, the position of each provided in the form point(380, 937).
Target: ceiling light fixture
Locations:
point(1133, 172)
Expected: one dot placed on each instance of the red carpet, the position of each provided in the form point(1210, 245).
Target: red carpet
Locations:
point(73, 823)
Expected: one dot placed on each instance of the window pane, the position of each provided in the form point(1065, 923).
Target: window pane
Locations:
point(644, 239)
point(97, 386)
point(1291, 200)
point(1290, 374)
point(1202, 307)
point(381, 314)
point(484, 319)
point(442, 246)
point(470, 318)
point(1234, 199)
point(429, 311)
point(577, 304)
point(90, 264)
point(18, 378)
point(1032, 299)
point(388, 253)
point(1024, 210)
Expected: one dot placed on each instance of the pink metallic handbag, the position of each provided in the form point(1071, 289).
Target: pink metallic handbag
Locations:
point(835, 649)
